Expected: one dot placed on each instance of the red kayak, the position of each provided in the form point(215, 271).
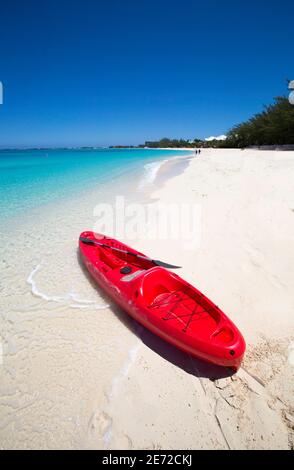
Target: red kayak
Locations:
point(162, 302)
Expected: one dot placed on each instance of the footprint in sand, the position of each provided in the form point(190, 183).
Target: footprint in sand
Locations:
point(122, 442)
point(100, 423)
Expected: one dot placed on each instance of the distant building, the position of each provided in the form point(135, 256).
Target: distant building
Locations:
point(291, 95)
point(219, 137)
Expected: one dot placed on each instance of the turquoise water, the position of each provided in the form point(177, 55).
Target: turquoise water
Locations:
point(30, 178)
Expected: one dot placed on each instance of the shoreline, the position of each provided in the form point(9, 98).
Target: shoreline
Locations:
point(69, 357)
point(124, 183)
point(57, 327)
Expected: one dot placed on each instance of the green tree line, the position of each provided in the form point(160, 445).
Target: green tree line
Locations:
point(273, 126)
point(172, 143)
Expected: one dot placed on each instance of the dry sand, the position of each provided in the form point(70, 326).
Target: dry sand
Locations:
point(79, 374)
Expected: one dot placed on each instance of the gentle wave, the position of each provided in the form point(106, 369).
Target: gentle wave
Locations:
point(150, 173)
point(70, 296)
point(41, 178)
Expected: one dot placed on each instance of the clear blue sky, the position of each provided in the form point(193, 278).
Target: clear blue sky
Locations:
point(99, 72)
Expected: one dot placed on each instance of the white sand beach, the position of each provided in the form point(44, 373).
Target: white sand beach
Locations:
point(77, 372)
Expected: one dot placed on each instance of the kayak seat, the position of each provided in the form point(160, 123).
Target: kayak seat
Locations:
point(158, 282)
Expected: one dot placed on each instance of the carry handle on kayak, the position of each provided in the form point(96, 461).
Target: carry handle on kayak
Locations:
point(157, 262)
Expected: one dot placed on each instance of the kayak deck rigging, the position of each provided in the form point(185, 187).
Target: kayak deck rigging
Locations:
point(179, 306)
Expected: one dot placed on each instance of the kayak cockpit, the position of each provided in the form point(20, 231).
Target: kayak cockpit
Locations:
point(184, 306)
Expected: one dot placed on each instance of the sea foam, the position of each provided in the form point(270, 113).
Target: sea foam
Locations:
point(150, 173)
point(69, 297)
